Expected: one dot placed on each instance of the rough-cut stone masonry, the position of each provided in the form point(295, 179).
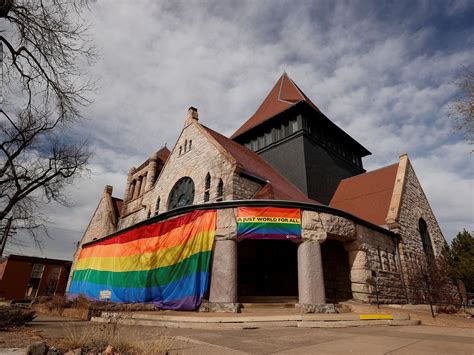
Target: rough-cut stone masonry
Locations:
point(365, 256)
point(414, 205)
point(103, 222)
point(205, 156)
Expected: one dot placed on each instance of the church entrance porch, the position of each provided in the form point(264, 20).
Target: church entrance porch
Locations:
point(336, 271)
point(267, 270)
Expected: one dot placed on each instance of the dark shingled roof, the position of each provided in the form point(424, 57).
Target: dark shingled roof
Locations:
point(284, 95)
point(277, 187)
point(368, 195)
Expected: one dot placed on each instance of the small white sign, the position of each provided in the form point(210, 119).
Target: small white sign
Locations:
point(105, 294)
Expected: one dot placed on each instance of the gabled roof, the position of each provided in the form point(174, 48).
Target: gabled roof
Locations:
point(367, 195)
point(276, 187)
point(117, 203)
point(284, 95)
point(163, 154)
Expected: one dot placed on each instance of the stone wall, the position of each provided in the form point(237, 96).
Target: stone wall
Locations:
point(372, 257)
point(374, 261)
point(203, 157)
point(413, 206)
point(244, 189)
point(103, 222)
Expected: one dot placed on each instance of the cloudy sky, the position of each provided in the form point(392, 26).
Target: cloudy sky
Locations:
point(383, 71)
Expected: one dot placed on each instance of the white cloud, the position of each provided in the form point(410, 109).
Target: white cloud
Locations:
point(386, 80)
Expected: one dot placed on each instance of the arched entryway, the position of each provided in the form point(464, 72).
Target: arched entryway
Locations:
point(336, 271)
point(267, 270)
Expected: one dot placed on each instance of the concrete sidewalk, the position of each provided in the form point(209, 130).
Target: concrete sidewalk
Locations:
point(373, 340)
point(357, 340)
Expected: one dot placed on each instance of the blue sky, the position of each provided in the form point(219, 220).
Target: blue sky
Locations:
point(384, 71)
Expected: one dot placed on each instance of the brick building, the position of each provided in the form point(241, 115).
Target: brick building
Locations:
point(356, 225)
point(26, 277)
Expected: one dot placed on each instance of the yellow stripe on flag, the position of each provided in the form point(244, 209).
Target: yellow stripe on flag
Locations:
point(148, 261)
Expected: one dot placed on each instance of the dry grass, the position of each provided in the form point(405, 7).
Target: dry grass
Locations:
point(81, 302)
point(13, 316)
point(96, 338)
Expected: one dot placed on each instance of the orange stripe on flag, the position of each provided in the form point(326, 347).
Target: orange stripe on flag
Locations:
point(174, 237)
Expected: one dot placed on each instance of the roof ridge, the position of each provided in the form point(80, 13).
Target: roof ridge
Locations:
point(369, 172)
point(282, 78)
point(283, 95)
point(297, 88)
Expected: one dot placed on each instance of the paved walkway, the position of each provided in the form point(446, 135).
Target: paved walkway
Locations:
point(357, 340)
point(362, 340)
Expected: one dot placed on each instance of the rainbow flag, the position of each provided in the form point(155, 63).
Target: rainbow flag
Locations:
point(268, 223)
point(166, 263)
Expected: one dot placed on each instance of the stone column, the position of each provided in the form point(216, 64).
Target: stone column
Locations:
point(310, 274)
point(223, 291)
point(138, 186)
point(128, 187)
point(152, 170)
point(360, 272)
point(144, 178)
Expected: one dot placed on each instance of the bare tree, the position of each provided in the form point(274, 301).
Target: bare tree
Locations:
point(43, 91)
point(463, 107)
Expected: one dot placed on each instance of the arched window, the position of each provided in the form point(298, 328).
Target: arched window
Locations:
point(207, 183)
point(207, 186)
point(190, 144)
point(425, 239)
point(185, 145)
point(180, 150)
point(220, 190)
point(157, 206)
point(182, 193)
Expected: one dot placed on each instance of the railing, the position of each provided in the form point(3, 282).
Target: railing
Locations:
point(378, 294)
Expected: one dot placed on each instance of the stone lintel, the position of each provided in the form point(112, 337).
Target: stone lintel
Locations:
point(319, 226)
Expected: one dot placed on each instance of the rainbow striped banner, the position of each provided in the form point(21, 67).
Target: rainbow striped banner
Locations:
point(166, 263)
point(268, 223)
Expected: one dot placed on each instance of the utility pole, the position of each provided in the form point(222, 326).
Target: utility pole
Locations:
point(6, 232)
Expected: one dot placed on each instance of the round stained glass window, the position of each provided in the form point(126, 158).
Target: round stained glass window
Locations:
point(182, 193)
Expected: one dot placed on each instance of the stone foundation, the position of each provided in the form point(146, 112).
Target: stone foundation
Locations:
point(316, 308)
point(219, 307)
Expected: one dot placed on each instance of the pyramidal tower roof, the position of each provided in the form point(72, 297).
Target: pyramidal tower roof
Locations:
point(281, 97)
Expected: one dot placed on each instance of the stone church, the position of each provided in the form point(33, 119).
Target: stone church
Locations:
point(357, 227)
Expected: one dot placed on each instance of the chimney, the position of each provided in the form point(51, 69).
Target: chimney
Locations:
point(108, 190)
point(192, 116)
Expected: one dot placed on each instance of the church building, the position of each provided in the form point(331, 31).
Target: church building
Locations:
point(288, 212)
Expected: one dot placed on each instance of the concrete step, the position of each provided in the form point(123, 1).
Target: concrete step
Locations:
point(242, 321)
